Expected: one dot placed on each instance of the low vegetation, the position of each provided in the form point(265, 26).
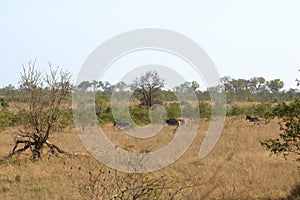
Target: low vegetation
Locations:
point(238, 167)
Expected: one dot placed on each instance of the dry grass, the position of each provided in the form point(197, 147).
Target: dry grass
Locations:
point(237, 168)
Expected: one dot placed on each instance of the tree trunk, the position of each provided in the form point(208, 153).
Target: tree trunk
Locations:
point(36, 152)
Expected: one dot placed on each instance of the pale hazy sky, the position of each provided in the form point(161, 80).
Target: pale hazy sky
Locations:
point(244, 38)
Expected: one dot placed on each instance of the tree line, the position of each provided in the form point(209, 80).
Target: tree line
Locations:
point(148, 90)
point(48, 99)
point(253, 89)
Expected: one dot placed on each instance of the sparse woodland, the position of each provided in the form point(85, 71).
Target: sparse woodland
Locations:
point(41, 156)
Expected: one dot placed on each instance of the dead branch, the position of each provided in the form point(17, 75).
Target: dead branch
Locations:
point(27, 144)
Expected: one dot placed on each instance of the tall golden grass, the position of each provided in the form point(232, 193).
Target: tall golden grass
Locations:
point(238, 167)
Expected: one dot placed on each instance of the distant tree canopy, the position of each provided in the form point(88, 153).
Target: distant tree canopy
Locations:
point(253, 89)
point(256, 89)
point(148, 86)
point(149, 89)
point(187, 87)
point(275, 85)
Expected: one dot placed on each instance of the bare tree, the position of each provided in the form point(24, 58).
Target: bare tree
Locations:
point(111, 184)
point(105, 183)
point(46, 99)
point(148, 85)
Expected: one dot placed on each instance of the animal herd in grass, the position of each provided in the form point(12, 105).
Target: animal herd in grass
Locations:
point(175, 122)
point(170, 122)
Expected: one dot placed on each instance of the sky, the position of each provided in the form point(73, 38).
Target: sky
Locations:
point(244, 38)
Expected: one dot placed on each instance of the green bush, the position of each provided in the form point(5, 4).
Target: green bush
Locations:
point(6, 119)
point(263, 110)
point(237, 110)
point(173, 110)
point(140, 115)
point(4, 103)
point(66, 119)
point(205, 110)
point(103, 108)
point(105, 116)
point(288, 140)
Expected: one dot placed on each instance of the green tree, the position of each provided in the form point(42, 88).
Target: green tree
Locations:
point(84, 85)
point(187, 87)
point(275, 85)
point(257, 84)
point(105, 87)
point(289, 138)
point(120, 86)
point(239, 87)
point(226, 82)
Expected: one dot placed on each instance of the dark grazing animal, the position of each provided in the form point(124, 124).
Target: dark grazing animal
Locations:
point(251, 119)
point(120, 124)
point(172, 122)
point(175, 122)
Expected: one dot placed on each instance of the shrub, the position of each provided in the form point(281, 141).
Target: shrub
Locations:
point(289, 138)
point(6, 119)
point(66, 118)
point(140, 115)
point(103, 108)
point(205, 110)
point(173, 110)
point(263, 110)
point(237, 110)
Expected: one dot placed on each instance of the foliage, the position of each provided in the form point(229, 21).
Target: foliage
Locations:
point(205, 110)
point(263, 110)
point(275, 85)
point(255, 89)
point(147, 90)
point(148, 86)
point(237, 110)
point(3, 103)
point(6, 119)
point(167, 95)
point(187, 87)
point(66, 118)
point(289, 138)
point(103, 108)
point(9, 92)
point(140, 115)
point(173, 110)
